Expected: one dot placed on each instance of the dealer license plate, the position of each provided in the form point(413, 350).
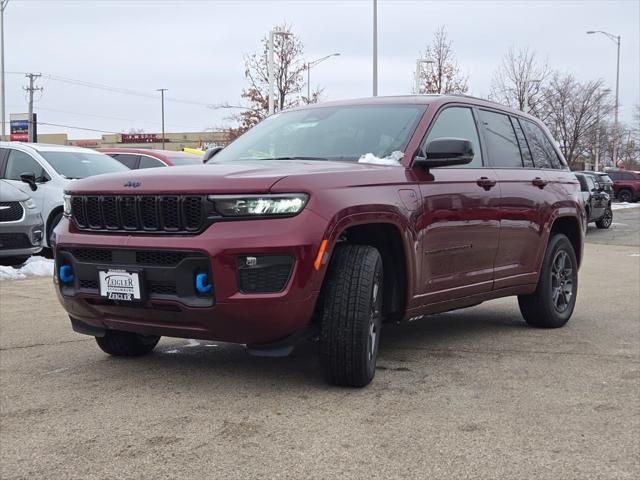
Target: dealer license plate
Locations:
point(118, 284)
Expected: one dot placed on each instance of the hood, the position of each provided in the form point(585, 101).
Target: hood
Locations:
point(9, 193)
point(237, 177)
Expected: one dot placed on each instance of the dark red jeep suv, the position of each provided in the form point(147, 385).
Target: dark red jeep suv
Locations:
point(325, 222)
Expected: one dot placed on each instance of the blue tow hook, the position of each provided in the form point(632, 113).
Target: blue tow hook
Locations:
point(65, 274)
point(202, 283)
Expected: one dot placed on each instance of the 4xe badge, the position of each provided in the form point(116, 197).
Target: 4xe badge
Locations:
point(133, 184)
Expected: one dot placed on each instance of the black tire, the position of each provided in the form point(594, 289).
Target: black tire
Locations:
point(126, 344)
point(606, 220)
point(552, 304)
point(625, 195)
point(52, 224)
point(14, 261)
point(351, 315)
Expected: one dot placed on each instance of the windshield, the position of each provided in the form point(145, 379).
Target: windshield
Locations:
point(327, 133)
point(82, 164)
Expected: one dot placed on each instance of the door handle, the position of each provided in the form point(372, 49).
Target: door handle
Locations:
point(539, 182)
point(486, 183)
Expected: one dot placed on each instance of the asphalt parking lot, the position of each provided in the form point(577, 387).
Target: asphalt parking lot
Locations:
point(468, 394)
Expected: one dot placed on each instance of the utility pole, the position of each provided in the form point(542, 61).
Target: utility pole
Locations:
point(3, 5)
point(30, 89)
point(162, 90)
point(375, 48)
point(615, 39)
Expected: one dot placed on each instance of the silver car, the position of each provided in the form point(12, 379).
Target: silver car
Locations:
point(21, 228)
point(44, 171)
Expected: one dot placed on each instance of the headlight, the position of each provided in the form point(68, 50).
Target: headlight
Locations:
point(259, 205)
point(30, 204)
point(67, 205)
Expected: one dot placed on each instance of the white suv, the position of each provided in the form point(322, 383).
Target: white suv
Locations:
point(44, 171)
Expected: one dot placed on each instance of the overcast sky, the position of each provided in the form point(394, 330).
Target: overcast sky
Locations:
point(195, 49)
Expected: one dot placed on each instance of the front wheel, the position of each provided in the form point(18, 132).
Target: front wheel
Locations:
point(351, 315)
point(606, 220)
point(126, 344)
point(552, 304)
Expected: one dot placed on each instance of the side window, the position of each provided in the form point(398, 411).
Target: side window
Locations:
point(148, 162)
point(127, 159)
point(502, 143)
point(457, 122)
point(19, 162)
point(583, 183)
point(614, 175)
point(527, 158)
point(591, 184)
point(544, 155)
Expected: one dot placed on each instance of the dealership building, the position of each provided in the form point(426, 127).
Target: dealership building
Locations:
point(172, 141)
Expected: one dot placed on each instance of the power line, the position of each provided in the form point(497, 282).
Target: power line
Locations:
point(77, 128)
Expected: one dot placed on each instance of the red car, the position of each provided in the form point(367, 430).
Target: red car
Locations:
point(325, 222)
point(137, 158)
point(626, 184)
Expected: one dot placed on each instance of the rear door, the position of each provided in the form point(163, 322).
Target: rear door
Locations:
point(526, 198)
point(459, 225)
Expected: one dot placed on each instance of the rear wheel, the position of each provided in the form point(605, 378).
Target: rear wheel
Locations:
point(352, 315)
point(625, 196)
point(126, 344)
point(552, 304)
point(607, 218)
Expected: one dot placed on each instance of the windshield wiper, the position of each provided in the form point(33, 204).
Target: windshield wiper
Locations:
point(297, 158)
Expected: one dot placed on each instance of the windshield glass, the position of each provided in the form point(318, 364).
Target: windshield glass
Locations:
point(82, 164)
point(327, 133)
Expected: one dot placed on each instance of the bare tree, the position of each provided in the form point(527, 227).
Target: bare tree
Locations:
point(519, 81)
point(572, 111)
point(289, 67)
point(443, 75)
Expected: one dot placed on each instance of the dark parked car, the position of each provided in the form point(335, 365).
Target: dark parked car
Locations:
point(626, 184)
point(325, 222)
point(603, 180)
point(597, 201)
point(137, 158)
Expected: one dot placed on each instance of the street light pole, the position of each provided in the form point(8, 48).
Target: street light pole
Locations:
point(271, 66)
point(375, 48)
point(419, 63)
point(162, 90)
point(616, 40)
point(597, 160)
point(313, 64)
point(3, 5)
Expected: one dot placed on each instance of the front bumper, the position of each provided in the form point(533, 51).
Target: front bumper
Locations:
point(23, 237)
point(227, 313)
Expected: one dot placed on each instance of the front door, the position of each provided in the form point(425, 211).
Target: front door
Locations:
point(459, 224)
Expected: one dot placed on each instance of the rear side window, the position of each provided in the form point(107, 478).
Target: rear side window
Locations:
point(458, 122)
point(544, 155)
point(127, 159)
point(527, 159)
point(502, 143)
point(614, 175)
point(19, 162)
point(148, 162)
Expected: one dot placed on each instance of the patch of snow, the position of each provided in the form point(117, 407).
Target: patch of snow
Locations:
point(33, 267)
point(393, 159)
point(624, 205)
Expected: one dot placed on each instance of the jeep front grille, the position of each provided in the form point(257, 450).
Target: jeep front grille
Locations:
point(139, 213)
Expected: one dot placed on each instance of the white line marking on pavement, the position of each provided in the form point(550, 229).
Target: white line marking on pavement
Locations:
point(192, 343)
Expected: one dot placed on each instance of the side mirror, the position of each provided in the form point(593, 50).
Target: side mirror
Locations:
point(443, 152)
point(209, 154)
point(30, 179)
